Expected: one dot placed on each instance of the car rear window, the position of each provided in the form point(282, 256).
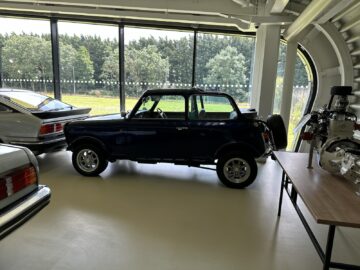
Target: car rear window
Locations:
point(35, 102)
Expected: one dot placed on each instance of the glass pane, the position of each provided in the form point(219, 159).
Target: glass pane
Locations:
point(224, 63)
point(89, 66)
point(25, 51)
point(156, 59)
point(301, 90)
point(210, 108)
point(162, 107)
point(172, 104)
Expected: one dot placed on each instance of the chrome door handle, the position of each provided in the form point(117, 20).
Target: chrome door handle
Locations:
point(182, 128)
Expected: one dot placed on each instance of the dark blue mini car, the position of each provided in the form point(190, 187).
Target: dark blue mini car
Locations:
point(187, 127)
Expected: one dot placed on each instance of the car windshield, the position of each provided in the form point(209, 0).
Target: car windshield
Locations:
point(34, 101)
point(161, 106)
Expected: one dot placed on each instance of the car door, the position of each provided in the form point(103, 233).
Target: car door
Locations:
point(157, 132)
point(211, 121)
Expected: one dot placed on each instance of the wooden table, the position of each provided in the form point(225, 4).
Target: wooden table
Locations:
point(331, 200)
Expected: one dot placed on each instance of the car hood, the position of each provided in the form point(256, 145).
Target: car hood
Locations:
point(105, 117)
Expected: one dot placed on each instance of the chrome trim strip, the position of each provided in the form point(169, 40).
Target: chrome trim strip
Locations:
point(38, 143)
point(24, 206)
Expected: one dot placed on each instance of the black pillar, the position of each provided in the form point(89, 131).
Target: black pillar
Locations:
point(55, 57)
point(122, 67)
point(194, 60)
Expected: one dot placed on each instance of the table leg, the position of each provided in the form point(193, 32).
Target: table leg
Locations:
point(329, 246)
point(281, 193)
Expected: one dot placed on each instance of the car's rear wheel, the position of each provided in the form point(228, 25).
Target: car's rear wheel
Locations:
point(236, 169)
point(89, 160)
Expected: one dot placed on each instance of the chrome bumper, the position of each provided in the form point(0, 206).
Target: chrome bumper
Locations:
point(21, 212)
point(44, 146)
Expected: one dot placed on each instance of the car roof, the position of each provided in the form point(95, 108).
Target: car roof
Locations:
point(180, 91)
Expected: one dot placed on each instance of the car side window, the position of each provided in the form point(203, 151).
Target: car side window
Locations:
point(5, 109)
point(161, 107)
point(211, 107)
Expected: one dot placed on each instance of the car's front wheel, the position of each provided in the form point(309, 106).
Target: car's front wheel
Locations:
point(89, 160)
point(236, 169)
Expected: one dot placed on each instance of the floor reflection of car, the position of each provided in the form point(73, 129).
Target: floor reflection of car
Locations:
point(21, 196)
point(35, 121)
point(187, 127)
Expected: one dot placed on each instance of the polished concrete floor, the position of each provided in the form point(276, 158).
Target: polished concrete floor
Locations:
point(154, 217)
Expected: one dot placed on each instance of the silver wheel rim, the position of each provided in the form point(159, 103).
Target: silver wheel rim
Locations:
point(237, 170)
point(87, 160)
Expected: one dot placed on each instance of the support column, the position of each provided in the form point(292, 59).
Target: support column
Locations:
point(122, 67)
point(287, 91)
point(55, 57)
point(194, 59)
point(265, 69)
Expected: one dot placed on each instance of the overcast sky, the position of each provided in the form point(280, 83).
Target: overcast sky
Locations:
point(18, 26)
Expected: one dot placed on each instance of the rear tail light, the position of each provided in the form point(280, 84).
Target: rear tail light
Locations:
point(17, 180)
point(51, 128)
point(307, 136)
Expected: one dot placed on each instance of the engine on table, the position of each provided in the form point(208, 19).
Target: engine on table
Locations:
point(331, 131)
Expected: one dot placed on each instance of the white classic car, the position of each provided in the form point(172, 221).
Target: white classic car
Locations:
point(35, 121)
point(21, 196)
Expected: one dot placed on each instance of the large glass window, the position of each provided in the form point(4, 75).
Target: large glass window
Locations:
point(89, 66)
point(224, 63)
point(156, 59)
point(25, 54)
point(303, 80)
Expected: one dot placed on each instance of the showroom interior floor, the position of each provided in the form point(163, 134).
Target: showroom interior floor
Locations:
point(156, 217)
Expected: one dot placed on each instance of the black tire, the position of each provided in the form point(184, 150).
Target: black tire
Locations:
point(278, 130)
point(93, 167)
point(246, 165)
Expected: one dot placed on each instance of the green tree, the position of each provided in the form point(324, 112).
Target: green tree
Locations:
point(110, 68)
point(25, 58)
point(178, 51)
point(83, 65)
point(67, 61)
point(227, 68)
point(75, 65)
point(145, 66)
